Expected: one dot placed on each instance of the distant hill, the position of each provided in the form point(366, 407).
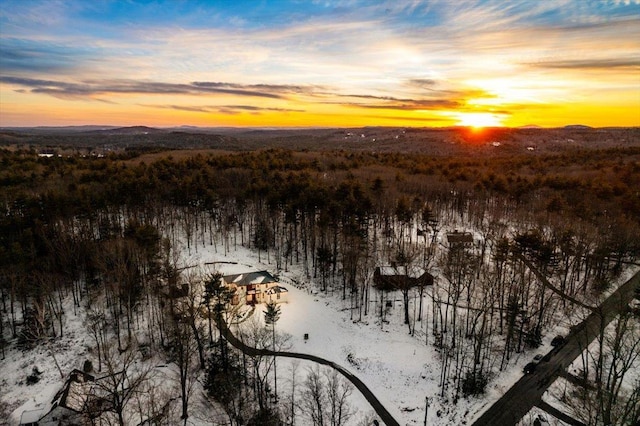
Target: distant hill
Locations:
point(49, 130)
point(577, 127)
point(133, 130)
point(530, 126)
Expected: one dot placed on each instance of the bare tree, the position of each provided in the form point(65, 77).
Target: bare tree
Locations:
point(185, 350)
point(271, 317)
point(338, 393)
point(96, 323)
point(124, 378)
point(289, 409)
point(189, 311)
point(314, 398)
point(256, 335)
point(325, 398)
point(610, 395)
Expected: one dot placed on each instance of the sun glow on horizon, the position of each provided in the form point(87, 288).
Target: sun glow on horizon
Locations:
point(478, 120)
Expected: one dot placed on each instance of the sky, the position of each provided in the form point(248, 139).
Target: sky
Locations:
point(320, 63)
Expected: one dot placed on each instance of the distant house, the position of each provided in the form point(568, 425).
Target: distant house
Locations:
point(458, 239)
point(67, 407)
point(255, 287)
point(393, 277)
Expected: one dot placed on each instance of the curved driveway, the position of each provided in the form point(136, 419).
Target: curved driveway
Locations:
point(382, 412)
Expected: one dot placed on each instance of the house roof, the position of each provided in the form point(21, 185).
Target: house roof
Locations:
point(248, 278)
point(277, 289)
point(75, 391)
point(459, 237)
point(390, 277)
point(73, 396)
point(77, 396)
point(411, 272)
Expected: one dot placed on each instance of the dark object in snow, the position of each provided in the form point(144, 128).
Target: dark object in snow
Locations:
point(306, 336)
point(87, 367)
point(352, 360)
point(34, 377)
point(557, 341)
point(540, 421)
point(474, 383)
point(530, 368)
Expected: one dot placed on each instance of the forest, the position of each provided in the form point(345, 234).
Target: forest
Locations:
point(101, 238)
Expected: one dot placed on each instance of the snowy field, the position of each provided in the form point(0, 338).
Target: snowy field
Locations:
point(400, 369)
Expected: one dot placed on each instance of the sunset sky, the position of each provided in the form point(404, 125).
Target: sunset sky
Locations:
point(320, 63)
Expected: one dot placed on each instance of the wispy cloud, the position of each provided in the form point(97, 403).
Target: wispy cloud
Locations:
point(418, 119)
point(262, 88)
point(225, 109)
point(91, 88)
point(19, 55)
point(592, 64)
point(415, 105)
point(422, 83)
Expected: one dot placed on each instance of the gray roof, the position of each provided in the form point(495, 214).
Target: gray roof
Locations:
point(277, 289)
point(412, 272)
point(248, 278)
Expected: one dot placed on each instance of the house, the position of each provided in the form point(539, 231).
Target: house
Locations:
point(457, 239)
point(255, 287)
point(397, 277)
point(68, 406)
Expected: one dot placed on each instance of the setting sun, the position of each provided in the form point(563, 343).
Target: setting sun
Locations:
point(478, 119)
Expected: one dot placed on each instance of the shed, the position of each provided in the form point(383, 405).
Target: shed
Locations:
point(394, 277)
point(67, 406)
point(459, 239)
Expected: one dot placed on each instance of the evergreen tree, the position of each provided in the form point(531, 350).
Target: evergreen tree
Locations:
point(271, 317)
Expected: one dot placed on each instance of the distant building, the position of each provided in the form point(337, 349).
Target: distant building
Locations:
point(458, 239)
point(67, 407)
point(255, 287)
point(393, 277)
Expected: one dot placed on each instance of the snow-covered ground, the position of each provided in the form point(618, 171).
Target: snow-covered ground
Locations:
point(400, 369)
